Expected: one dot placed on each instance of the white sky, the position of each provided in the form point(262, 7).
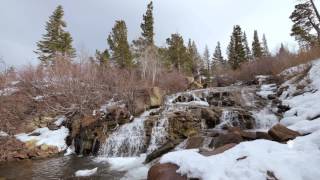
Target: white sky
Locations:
point(90, 21)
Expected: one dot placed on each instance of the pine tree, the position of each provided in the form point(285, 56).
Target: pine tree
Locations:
point(306, 19)
point(266, 52)
point(217, 56)
point(246, 47)
point(236, 49)
point(119, 46)
point(194, 57)
point(256, 46)
point(57, 41)
point(147, 25)
point(283, 51)
point(206, 60)
point(177, 53)
point(103, 57)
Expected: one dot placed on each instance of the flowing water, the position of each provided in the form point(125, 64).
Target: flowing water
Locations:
point(55, 168)
point(127, 141)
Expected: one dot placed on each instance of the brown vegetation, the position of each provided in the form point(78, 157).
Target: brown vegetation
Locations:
point(74, 88)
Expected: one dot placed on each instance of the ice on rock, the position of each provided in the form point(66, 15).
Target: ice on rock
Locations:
point(86, 172)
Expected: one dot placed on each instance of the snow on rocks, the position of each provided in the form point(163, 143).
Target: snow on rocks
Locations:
point(252, 160)
point(86, 172)
point(3, 134)
point(60, 120)
point(48, 137)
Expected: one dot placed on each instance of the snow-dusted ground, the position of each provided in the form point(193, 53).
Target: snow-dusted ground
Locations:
point(299, 159)
point(52, 138)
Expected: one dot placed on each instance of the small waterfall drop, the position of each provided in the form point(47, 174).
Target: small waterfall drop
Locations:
point(229, 118)
point(158, 134)
point(128, 140)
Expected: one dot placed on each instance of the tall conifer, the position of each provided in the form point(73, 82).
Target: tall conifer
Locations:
point(56, 41)
point(256, 46)
point(119, 46)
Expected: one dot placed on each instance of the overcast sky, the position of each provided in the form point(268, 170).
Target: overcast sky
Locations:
point(90, 21)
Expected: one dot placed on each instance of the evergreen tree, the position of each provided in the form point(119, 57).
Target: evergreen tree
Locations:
point(236, 49)
point(194, 57)
point(283, 51)
point(147, 25)
point(57, 41)
point(246, 47)
point(256, 46)
point(103, 57)
point(206, 60)
point(266, 52)
point(177, 53)
point(119, 46)
point(217, 59)
point(306, 19)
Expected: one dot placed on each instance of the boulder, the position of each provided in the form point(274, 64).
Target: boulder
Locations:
point(263, 135)
point(217, 150)
point(156, 97)
point(166, 171)
point(162, 150)
point(194, 142)
point(211, 117)
point(282, 134)
point(224, 139)
point(244, 134)
point(183, 124)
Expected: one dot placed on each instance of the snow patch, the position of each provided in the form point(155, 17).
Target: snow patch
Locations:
point(133, 166)
point(86, 172)
point(49, 137)
point(3, 134)
point(297, 160)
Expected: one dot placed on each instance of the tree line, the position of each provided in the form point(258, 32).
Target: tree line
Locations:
point(177, 54)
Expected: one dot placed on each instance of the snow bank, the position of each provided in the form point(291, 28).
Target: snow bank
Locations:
point(48, 137)
point(133, 166)
point(307, 105)
point(298, 160)
point(86, 172)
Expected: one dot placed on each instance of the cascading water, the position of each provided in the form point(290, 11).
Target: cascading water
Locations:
point(128, 140)
point(229, 118)
point(158, 134)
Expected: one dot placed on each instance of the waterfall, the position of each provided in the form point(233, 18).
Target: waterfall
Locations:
point(128, 140)
point(229, 118)
point(158, 134)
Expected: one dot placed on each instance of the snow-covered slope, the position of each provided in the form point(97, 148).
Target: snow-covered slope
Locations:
point(299, 159)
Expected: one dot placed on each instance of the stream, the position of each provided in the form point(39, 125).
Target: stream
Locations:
point(63, 167)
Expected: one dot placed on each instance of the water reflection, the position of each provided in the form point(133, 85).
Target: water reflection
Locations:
point(55, 169)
